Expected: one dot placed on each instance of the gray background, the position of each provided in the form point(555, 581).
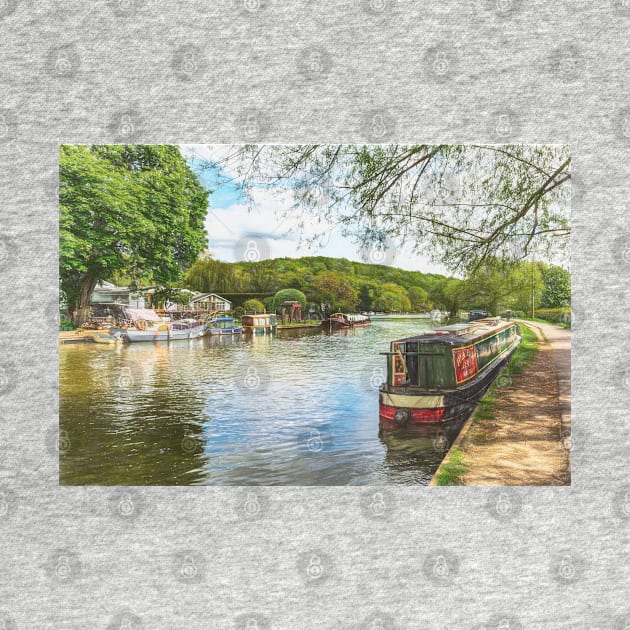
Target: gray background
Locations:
point(326, 71)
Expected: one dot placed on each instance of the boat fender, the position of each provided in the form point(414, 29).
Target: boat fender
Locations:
point(401, 417)
point(141, 324)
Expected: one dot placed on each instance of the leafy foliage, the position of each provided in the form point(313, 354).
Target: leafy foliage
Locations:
point(286, 295)
point(465, 204)
point(136, 211)
point(253, 305)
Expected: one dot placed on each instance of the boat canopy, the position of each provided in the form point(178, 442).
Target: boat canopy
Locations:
point(223, 319)
point(147, 314)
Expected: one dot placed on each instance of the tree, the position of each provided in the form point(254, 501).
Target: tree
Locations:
point(331, 289)
point(134, 210)
point(465, 204)
point(419, 298)
point(253, 305)
point(557, 292)
point(210, 276)
point(392, 298)
point(365, 298)
point(286, 295)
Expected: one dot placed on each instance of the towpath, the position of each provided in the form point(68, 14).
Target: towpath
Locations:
point(527, 442)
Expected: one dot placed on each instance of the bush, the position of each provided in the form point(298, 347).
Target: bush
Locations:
point(554, 315)
point(66, 324)
point(253, 305)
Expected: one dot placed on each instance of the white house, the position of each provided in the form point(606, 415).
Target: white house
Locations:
point(210, 301)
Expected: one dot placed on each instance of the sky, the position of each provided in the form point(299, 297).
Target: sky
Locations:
point(257, 231)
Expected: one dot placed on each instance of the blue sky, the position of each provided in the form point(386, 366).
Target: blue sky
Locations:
point(236, 227)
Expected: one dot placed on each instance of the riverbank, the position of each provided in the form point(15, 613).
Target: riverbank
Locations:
point(518, 434)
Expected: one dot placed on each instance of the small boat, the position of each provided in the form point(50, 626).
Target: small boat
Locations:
point(440, 375)
point(224, 326)
point(181, 329)
point(259, 323)
point(105, 338)
point(340, 321)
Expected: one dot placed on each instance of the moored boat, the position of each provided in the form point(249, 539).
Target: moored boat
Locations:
point(224, 326)
point(259, 323)
point(439, 376)
point(340, 321)
point(181, 329)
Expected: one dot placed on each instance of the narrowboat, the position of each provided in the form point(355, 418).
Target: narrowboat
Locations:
point(259, 323)
point(339, 321)
point(224, 326)
point(440, 375)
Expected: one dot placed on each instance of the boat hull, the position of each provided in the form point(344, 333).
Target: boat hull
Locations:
point(235, 330)
point(133, 336)
point(406, 406)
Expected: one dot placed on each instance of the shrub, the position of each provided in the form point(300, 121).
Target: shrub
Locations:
point(253, 305)
point(555, 315)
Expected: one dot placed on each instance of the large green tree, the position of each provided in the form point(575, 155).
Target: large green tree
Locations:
point(131, 210)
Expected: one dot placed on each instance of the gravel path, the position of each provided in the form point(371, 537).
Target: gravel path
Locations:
point(528, 440)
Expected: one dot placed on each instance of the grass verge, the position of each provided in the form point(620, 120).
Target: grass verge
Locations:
point(453, 468)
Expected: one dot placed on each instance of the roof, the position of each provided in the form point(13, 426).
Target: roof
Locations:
point(205, 296)
point(459, 333)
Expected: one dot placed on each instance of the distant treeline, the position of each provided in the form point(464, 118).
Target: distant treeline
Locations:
point(337, 283)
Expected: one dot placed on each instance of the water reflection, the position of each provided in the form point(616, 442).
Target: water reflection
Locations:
point(296, 409)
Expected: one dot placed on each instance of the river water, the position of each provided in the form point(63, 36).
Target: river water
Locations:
point(291, 409)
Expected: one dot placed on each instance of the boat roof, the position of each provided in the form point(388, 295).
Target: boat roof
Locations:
point(223, 319)
point(460, 333)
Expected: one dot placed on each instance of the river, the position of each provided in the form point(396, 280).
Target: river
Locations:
point(291, 409)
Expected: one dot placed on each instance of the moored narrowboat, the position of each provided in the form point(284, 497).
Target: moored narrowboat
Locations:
point(340, 321)
point(259, 323)
point(440, 375)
